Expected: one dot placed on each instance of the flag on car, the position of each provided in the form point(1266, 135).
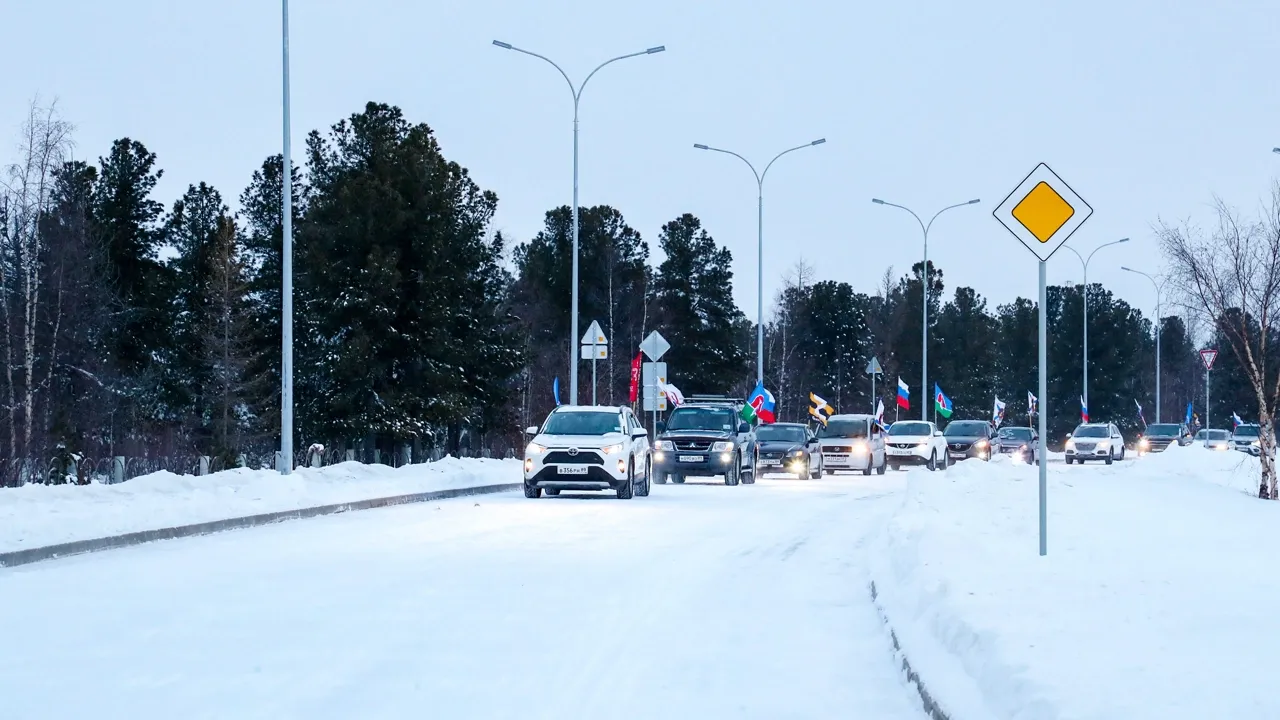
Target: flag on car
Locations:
point(1084, 410)
point(759, 406)
point(942, 402)
point(819, 409)
point(997, 413)
point(880, 415)
point(1236, 419)
point(1140, 417)
point(1031, 403)
point(904, 395)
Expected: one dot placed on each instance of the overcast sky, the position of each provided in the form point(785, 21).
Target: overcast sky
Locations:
point(1146, 108)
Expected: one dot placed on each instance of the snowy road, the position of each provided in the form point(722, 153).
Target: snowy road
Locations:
point(701, 601)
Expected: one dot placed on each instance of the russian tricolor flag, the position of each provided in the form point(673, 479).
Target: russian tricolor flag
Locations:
point(904, 395)
point(1084, 410)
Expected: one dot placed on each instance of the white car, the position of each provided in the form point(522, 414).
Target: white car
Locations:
point(1095, 441)
point(852, 442)
point(916, 442)
point(588, 448)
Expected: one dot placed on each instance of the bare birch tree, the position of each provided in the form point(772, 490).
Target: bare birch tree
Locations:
point(1231, 278)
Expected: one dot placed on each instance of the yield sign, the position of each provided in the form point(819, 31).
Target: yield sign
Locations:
point(594, 335)
point(1208, 355)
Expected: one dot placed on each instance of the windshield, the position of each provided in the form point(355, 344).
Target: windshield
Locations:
point(781, 433)
point(1165, 430)
point(909, 428)
point(844, 429)
point(1092, 431)
point(1218, 435)
point(966, 428)
point(1247, 431)
point(701, 418)
point(1015, 433)
point(582, 423)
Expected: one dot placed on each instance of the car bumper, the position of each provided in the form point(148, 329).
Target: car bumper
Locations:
point(846, 461)
point(594, 477)
point(1015, 452)
point(790, 465)
point(1095, 454)
point(912, 456)
point(695, 464)
point(971, 453)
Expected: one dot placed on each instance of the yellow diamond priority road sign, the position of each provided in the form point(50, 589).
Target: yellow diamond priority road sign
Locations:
point(1043, 211)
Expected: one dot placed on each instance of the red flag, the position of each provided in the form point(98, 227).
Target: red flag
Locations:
point(635, 376)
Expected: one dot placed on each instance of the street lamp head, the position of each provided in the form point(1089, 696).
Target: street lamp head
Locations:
point(877, 201)
point(1122, 240)
point(657, 49)
point(974, 201)
point(1126, 268)
point(700, 146)
point(504, 46)
point(1275, 150)
point(819, 141)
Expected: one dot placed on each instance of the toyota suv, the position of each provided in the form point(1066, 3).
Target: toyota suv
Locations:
point(583, 447)
point(705, 438)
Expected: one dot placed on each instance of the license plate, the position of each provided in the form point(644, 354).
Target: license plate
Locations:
point(771, 463)
point(899, 451)
point(571, 470)
point(958, 454)
point(690, 458)
point(836, 458)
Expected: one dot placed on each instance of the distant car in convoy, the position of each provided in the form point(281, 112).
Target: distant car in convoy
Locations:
point(705, 437)
point(852, 442)
point(916, 442)
point(1217, 440)
point(968, 439)
point(1095, 441)
point(1020, 443)
point(1160, 436)
point(1247, 438)
point(787, 447)
point(588, 448)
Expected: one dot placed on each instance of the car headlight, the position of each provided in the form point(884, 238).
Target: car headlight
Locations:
point(1071, 444)
point(535, 449)
point(664, 445)
point(982, 444)
point(611, 449)
point(1144, 442)
point(1104, 445)
point(1022, 449)
point(860, 448)
point(795, 453)
point(722, 446)
point(1255, 443)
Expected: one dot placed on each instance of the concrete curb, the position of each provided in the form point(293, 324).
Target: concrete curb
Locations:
point(931, 707)
point(78, 547)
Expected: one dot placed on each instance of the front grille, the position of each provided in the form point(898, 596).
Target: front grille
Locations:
point(959, 446)
point(561, 457)
point(837, 449)
point(771, 455)
point(903, 446)
point(1086, 447)
point(693, 444)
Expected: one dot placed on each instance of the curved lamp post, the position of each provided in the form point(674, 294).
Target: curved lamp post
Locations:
point(1085, 263)
point(1158, 287)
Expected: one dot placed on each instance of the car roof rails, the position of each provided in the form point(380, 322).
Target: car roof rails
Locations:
point(712, 399)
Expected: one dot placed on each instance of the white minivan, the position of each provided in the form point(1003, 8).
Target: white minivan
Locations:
point(852, 442)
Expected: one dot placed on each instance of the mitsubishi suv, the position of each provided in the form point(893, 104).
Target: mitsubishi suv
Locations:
point(916, 442)
point(588, 448)
point(705, 438)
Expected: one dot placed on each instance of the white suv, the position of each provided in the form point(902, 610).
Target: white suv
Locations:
point(1095, 441)
point(583, 447)
point(916, 442)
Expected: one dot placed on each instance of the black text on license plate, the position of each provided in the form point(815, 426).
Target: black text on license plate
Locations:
point(771, 462)
point(690, 458)
point(571, 470)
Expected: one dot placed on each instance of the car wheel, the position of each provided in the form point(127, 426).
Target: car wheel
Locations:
point(643, 490)
point(870, 462)
point(819, 472)
point(748, 477)
point(880, 470)
point(627, 489)
point(933, 461)
point(1111, 457)
point(895, 467)
point(1122, 452)
point(531, 491)
point(731, 476)
point(677, 479)
point(553, 492)
point(662, 478)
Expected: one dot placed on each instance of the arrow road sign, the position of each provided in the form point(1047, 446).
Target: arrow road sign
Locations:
point(594, 335)
point(1208, 355)
point(655, 346)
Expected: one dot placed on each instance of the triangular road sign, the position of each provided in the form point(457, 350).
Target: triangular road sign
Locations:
point(873, 367)
point(594, 335)
point(1208, 355)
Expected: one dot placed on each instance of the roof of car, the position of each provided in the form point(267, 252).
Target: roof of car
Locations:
point(589, 408)
point(850, 416)
point(799, 425)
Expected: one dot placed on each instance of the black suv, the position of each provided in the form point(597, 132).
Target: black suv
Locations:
point(705, 437)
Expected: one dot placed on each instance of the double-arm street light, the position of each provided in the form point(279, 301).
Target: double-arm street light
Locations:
point(1158, 287)
point(577, 96)
point(924, 275)
point(760, 241)
point(1084, 262)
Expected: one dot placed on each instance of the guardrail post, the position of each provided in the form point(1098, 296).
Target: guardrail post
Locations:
point(203, 467)
point(117, 469)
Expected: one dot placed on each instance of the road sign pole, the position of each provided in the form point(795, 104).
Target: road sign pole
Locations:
point(1206, 399)
point(594, 352)
point(873, 393)
point(1043, 451)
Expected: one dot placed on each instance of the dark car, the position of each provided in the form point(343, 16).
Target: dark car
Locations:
point(788, 447)
point(968, 439)
point(1021, 443)
point(705, 438)
point(1160, 436)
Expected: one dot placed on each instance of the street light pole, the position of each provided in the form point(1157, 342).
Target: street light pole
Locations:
point(760, 241)
point(286, 256)
point(1085, 262)
point(1157, 287)
point(924, 316)
point(577, 96)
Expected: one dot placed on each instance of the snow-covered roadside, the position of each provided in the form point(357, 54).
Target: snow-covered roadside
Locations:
point(1153, 602)
point(38, 515)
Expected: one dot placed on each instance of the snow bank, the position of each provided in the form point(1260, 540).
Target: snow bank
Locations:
point(39, 515)
point(1153, 602)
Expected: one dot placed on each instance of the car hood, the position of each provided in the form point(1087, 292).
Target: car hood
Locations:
point(584, 442)
point(963, 438)
point(677, 434)
point(779, 445)
point(1009, 442)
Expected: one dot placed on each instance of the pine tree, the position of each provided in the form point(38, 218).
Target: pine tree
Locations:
point(693, 293)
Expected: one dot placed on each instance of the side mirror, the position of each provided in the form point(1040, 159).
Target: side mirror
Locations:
point(639, 433)
point(531, 430)
point(937, 433)
point(661, 426)
point(1068, 436)
point(744, 428)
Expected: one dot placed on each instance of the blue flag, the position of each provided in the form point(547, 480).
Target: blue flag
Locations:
point(555, 388)
point(1188, 420)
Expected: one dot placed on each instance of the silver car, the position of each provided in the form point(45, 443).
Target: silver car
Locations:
point(1217, 440)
